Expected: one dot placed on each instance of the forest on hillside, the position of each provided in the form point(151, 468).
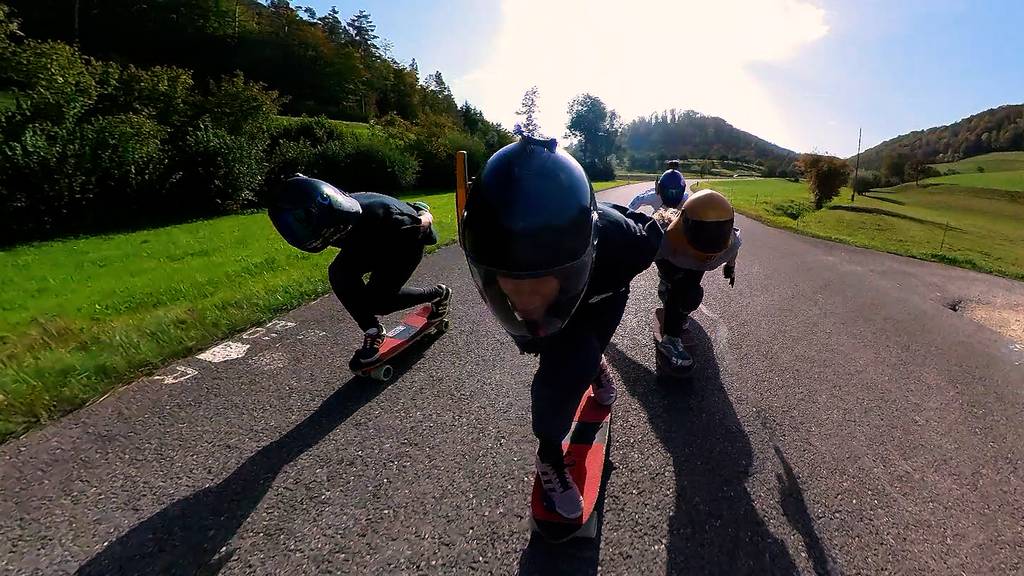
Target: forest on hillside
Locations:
point(996, 130)
point(650, 140)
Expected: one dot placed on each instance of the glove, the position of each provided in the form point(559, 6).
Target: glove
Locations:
point(729, 271)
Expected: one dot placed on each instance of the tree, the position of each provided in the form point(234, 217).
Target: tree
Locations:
point(528, 110)
point(362, 29)
point(894, 167)
point(825, 176)
point(596, 131)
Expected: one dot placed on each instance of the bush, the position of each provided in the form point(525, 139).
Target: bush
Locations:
point(121, 162)
point(314, 131)
point(215, 171)
point(792, 209)
point(866, 181)
point(825, 176)
point(436, 155)
point(365, 162)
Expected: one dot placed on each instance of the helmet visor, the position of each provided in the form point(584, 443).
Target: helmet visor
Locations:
point(708, 236)
point(301, 228)
point(535, 305)
point(672, 197)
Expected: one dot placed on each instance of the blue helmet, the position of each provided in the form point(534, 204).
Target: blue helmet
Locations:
point(671, 186)
point(530, 228)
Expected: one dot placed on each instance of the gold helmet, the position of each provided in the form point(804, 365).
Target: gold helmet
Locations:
point(705, 223)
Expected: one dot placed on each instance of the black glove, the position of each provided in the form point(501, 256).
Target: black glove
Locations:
point(729, 271)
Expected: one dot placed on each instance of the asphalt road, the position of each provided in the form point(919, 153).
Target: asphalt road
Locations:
point(841, 419)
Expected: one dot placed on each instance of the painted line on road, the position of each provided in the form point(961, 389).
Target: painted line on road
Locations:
point(224, 352)
point(181, 373)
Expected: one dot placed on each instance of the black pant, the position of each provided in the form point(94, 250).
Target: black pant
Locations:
point(568, 364)
point(385, 291)
point(681, 292)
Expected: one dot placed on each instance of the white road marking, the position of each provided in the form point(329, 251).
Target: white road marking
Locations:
point(180, 374)
point(254, 333)
point(224, 352)
point(280, 325)
point(311, 334)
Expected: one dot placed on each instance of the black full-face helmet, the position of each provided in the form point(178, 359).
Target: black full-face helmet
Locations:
point(529, 232)
point(311, 214)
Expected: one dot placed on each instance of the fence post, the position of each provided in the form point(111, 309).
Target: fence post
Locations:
point(943, 243)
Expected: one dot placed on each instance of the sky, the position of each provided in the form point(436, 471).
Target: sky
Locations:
point(804, 74)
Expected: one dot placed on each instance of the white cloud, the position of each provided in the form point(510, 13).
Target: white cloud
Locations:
point(640, 56)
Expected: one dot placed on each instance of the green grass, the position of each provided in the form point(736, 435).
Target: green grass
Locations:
point(994, 162)
point(1006, 180)
point(79, 317)
point(984, 230)
point(598, 186)
point(354, 127)
point(7, 101)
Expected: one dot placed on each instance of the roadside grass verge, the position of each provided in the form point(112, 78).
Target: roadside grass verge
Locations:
point(983, 232)
point(80, 317)
point(598, 186)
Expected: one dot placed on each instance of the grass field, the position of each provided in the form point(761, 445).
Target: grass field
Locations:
point(79, 317)
point(1008, 180)
point(994, 162)
point(984, 226)
point(6, 100)
point(355, 127)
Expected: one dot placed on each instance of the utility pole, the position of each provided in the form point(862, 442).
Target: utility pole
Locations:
point(856, 169)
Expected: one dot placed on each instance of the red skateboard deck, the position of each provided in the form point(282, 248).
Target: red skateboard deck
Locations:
point(586, 449)
point(412, 327)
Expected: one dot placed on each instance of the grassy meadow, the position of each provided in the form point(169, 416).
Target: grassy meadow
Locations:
point(971, 227)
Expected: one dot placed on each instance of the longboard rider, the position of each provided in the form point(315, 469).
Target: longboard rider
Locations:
point(379, 236)
point(669, 190)
point(699, 238)
point(554, 267)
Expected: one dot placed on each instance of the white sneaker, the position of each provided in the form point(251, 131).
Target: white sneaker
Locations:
point(604, 384)
point(672, 348)
point(560, 489)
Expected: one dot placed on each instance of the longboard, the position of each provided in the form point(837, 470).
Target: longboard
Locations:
point(413, 326)
point(663, 364)
point(586, 449)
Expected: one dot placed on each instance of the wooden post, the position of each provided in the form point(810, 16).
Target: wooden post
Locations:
point(856, 169)
point(944, 230)
point(461, 188)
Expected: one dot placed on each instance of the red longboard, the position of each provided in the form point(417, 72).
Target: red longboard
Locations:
point(586, 449)
point(413, 326)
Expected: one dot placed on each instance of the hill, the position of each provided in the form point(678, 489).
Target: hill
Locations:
point(995, 130)
point(650, 140)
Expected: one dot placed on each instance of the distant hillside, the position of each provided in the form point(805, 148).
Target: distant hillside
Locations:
point(996, 130)
point(649, 141)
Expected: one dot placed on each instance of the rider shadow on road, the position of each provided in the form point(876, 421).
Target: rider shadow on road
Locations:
point(190, 536)
point(714, 526)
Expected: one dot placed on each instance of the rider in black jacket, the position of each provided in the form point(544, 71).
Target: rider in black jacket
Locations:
point(554, 267)
point(379, 236)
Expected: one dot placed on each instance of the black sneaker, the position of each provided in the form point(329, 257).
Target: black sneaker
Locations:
point(439, 307)
point(372, 341)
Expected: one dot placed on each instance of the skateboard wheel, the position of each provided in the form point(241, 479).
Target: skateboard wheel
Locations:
point(384, 373)
point(444, 325)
